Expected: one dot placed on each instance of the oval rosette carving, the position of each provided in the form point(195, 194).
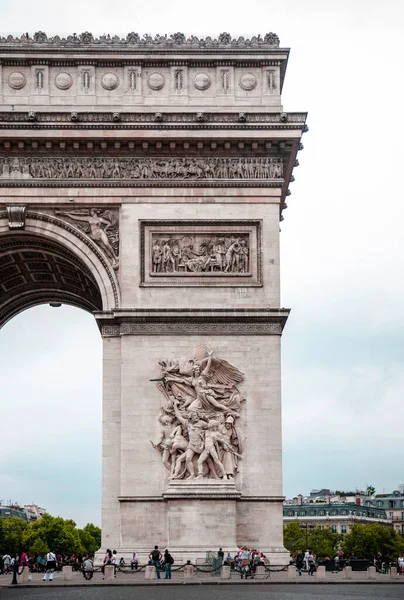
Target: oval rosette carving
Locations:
point(63, 81)
point(109, 81)
point(156, 81)
point(17, 80)
point(202, 81)
point(248, 82)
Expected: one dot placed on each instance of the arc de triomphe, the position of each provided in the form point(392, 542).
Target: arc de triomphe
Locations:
point(143, 180)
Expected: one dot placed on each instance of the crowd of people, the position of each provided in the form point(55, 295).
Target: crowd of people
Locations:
point(307, 562)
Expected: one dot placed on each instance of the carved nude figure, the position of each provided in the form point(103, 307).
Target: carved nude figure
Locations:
point(97, 233)
point(212, 436)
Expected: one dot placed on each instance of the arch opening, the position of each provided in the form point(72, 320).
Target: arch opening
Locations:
point(35, 270)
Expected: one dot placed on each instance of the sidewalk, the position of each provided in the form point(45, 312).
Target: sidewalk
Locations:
point(138, 579)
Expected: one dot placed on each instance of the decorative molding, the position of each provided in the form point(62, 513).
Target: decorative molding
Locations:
point(207, 327)
point(248, 82)
point(16, 216)
point(17, 80)
point(202, 81)
point(176, 41)
point(109, 81)
point(156, 81)
point(63, 81)
point(189, 253)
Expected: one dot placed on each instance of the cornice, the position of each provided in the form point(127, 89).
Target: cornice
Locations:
point(192, 322)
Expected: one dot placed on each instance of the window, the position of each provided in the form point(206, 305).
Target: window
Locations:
point(402, 503)
point(312, 513)
point(334, 529)
point(392, 504)
point(321, 513)
point(391, 515)
point(302, 513)
point(343, 528)
point(380, 503)
point(343, 512)
point(402, 515)
point(290, 513)
point(367, 503)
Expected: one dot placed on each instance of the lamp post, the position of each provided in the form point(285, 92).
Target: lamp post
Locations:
point(15, 568)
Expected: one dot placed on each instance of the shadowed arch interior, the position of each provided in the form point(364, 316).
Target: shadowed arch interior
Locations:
point(35, 270)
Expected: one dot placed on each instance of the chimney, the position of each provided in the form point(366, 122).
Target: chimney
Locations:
point(357, 500)
point(300, 499)
point(328, 498)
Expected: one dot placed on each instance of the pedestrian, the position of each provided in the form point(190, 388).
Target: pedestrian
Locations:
point(134, 562)
point(7, 563)
point(168, 561)
point(114, 561)
point(300, 562)
point(88, 568)
point(155, 557)
point(50, 566)
point(220, 555)
point(107, 561)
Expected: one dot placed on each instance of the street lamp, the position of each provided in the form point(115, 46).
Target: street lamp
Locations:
point(15, 567)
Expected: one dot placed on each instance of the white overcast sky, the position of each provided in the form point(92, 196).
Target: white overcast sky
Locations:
point(342, 260)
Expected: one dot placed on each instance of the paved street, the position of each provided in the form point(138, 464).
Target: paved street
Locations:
point(217, 592)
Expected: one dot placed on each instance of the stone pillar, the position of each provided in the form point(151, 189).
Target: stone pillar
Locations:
point(225, 574)
point(321, 572)
point(150, 572)
point(66, 573)
point(393, 572)
point(189, 572)
point(371, 572)
point(109, 572)
point(347, 572)
point(23, 578)
point(291, 571)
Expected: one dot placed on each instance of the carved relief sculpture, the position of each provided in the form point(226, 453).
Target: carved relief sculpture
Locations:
point(196, 253)
point(199, 436)
point(101, 226)
point(141, 168)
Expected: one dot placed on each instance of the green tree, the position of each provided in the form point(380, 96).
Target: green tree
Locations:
point(12, 531)
point(323, 542)
point(294, 537)
point(370, 490)
point(95, 532)
point(364, 541)
point(59, 535)
point(88, 542)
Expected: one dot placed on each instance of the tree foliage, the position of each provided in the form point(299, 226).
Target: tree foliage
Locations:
point(322, 542)
point(49, 533)
point(364, 541)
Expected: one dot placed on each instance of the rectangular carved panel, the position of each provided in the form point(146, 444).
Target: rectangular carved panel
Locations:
point(201, 253)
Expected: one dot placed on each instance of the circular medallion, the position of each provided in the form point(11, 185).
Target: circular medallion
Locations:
point(63, 81)
point(156, 81)
point(17, 80)
point(248, 81)
point(109, 81)
point(202, 81)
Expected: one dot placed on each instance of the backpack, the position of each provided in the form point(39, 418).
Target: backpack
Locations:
point(171, 560)
point(155, 555)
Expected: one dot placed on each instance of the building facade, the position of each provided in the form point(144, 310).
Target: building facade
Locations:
point(392, 504)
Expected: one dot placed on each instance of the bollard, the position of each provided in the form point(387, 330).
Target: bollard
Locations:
point(260, 571)
point(320, 573)
point(109, 572)
point(150, 572)
point(347, 572)
point(393, 572)
point(189, 572)
point(23, 578)
point(66, 573)
point(225, 574)
point(371, 572)
point(291, 571)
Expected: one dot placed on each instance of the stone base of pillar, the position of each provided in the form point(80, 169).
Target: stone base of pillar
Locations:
point(225, 574)
point(393, 572)
point(371, 572)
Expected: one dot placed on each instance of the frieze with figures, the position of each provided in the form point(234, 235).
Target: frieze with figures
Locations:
point(181, 168)
point(199, 254)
